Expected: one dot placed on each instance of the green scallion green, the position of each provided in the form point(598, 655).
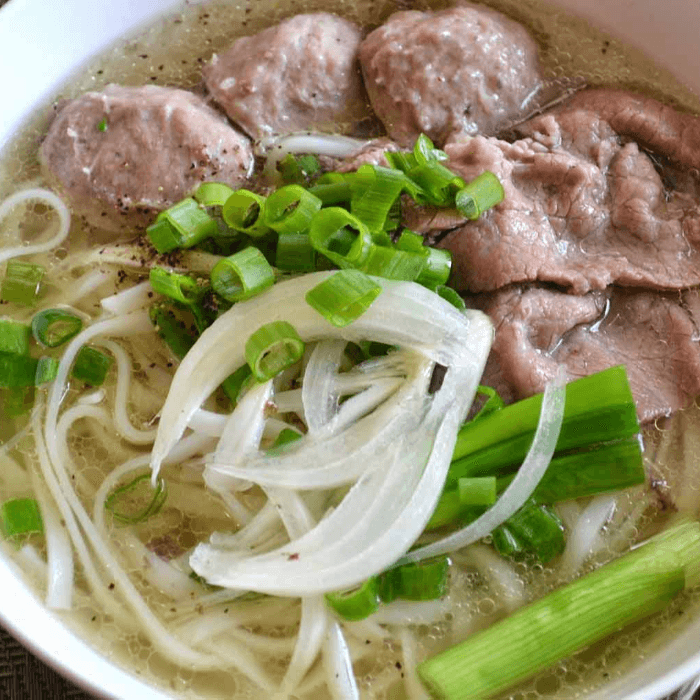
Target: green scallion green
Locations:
point(343, 297)
point(272, 348)
point(54, 327)
point(242, 275)
point(20, 518)
point(22, 282)
point(212, 194)
point(14, 337)
point(126, 503)
point(290, 209)
point(242, 211)
point(91, 366)
point(482, 193)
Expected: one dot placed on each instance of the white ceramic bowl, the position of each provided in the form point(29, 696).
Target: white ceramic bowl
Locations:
point(43, 43)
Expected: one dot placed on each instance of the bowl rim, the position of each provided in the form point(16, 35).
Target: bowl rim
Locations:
point(65, 37)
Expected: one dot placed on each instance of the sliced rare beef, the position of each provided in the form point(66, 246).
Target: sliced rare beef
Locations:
point(655, 335)
point(122, 154)
point(459, 70)
point(300, 74)
point(585, 207)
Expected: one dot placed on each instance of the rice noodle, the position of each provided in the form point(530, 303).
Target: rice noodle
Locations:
point(45, 197)
point(128, 300)
point(500, 573)
point(336, 660)
point(414, 688)
point(580, 543)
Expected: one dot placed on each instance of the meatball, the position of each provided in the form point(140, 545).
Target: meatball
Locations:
point(464, 70)
point(300, 74)
point(125, 153)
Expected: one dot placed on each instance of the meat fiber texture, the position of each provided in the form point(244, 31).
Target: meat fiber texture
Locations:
point(121, 155)
point(589, 258)
point(463, 70)
point(299, 75)
point(655, 335)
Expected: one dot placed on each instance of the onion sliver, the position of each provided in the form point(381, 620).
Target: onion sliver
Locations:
point(405, 314)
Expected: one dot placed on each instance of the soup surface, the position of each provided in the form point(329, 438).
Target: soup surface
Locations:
point(258, 632)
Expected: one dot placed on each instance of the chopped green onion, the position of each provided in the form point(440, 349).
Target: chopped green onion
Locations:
point(91, 366)
point(234, 383)
point(438, 184)
point(243, 212)
point(343, 297)
point(611, 466)
point(172, 331)
point(22, 282)
point(298, 169)
point(333, 188)
point(423, 580)
point(212, 194)
point(163, 236)
point(242, 275)
point(424, 151)
point(436, 271)
point(477, 491)
point(191, 223)
point(102, 126)
point(20, 517)
point(493, 402)
point(357, 603)
point(290, 209)
point(54, 327)
point(295, 253)
point(568, 619)
point(17, 401)
point(181, 288)
point(272, 348)
point(24, 371)
point(341, 237)
point(123, 502)
point(286, 437)
point(394, 264)
point(501, 439)
point(46, 370)
point(482, 193)
point(532, 530)
point(374, 191)
point(14, 337)
point(450, 295)
point(410, 242)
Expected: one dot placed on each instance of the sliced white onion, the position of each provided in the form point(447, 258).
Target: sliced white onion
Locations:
point(520, 489)
point(405, 314)
point(318, 393)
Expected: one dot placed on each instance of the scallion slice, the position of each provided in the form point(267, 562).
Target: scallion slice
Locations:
point(568, 619)
point(173, 332)
point(25, 371)
point(424, 580)
point(234, 383)
point(22, 282)
point(242, 275)
point(290, 209)
point(436, 271)
point(333, 188)
point(295, 253)
point(20, 517)
point(482, 193)
point(163, 236)
point(357, 603)
point(53, 327)
point(212, 194)
point(181, 288)
point(91, 366)
point(124, 502)
point(341, 237)
point(14, 337)
point(450, 295)
point(394, 264)
point(272, 348)
point(191, 222)
point(242, 211)
point(374, 191)
point(343, 297)
point(17, 401)
point(477, 490)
